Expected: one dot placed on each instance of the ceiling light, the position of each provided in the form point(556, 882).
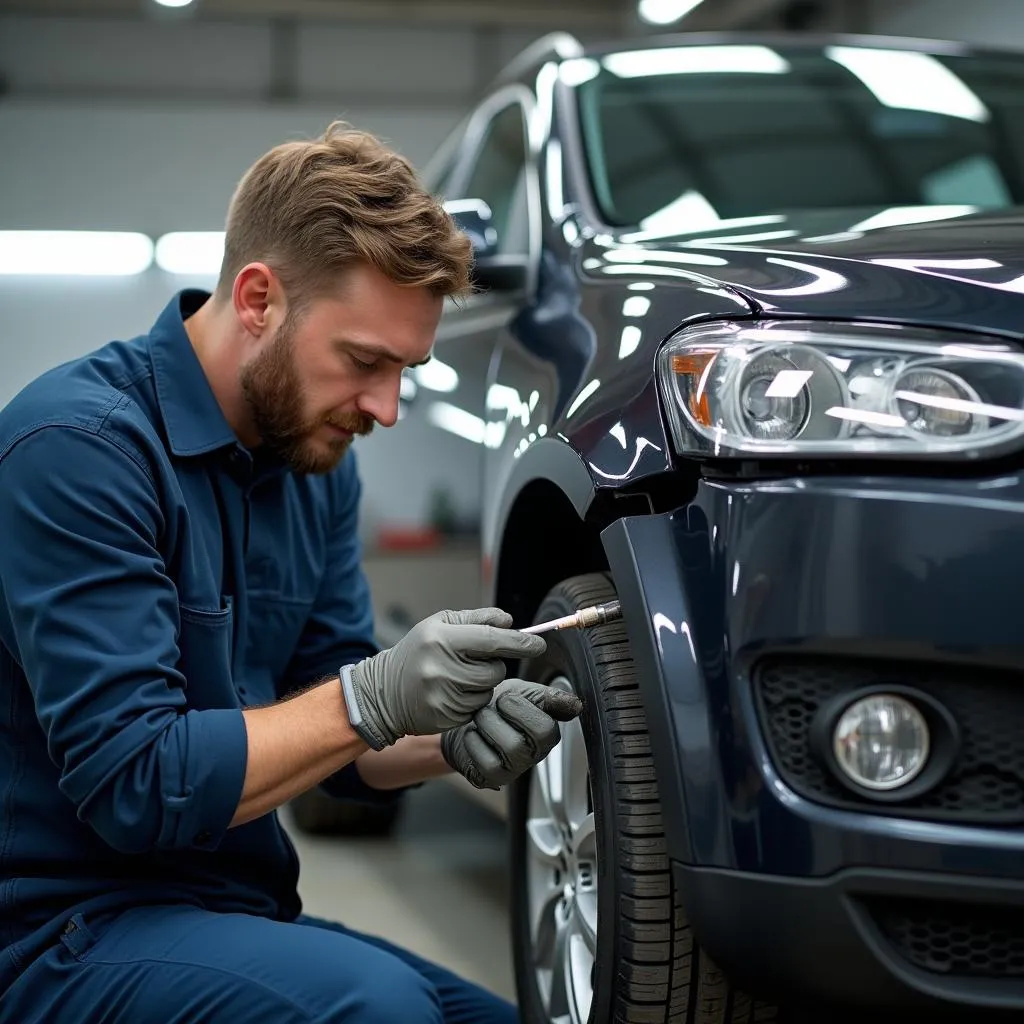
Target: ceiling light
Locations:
point(173, 3)
point(190, 252)
point(664, 12)
point(79, 253)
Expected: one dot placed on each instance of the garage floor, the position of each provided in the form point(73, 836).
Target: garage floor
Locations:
point(438, 886)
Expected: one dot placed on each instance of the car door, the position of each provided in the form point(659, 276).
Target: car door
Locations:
point(494, 169)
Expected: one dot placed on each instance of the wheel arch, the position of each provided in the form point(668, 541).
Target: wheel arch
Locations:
point(544, 540)
point(549, 521)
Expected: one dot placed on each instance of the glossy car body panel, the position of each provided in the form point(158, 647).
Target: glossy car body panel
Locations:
point(964, 272)
point(851, 568)
point(616, 428)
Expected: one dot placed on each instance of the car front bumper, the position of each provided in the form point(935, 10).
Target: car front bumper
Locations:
point(790, 882)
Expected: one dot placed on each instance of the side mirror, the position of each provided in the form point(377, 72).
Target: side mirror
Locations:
point(492, 271)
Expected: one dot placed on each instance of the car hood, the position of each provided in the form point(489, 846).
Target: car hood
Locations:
point(957, 269)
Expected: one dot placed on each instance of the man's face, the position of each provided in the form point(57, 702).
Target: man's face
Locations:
point(335, 369)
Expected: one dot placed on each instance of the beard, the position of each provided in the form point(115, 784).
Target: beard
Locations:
point(274, 394)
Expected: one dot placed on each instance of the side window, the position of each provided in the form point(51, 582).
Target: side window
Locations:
point(499, 178)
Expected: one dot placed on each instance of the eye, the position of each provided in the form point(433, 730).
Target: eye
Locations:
point(361, 366)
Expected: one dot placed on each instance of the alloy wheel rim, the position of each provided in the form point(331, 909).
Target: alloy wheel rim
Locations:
point(561, 881)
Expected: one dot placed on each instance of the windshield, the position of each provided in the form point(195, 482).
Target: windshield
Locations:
point(698, 133)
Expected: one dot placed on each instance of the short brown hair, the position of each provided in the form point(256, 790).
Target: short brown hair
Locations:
point(310, 209)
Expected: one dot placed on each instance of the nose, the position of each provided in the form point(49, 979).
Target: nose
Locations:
point(380, 403)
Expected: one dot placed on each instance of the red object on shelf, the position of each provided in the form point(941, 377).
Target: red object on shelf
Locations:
point(407, 538)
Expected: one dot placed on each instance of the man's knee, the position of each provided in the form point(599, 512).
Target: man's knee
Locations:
point(392, 993)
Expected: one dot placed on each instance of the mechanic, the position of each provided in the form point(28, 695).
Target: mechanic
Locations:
point(186, 631)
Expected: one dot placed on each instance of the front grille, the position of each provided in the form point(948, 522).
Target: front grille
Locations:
point(954, 939)
point(986, 783)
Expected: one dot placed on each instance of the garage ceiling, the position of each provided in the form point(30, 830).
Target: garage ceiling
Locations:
point(574, 15)
point(595, 13)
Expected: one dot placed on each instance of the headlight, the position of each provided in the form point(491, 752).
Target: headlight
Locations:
point(784, 387)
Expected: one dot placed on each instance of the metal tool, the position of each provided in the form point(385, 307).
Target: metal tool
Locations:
point(595, 615)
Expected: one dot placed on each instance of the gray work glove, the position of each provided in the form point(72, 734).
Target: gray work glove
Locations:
point(436, 677)
point(517, 730)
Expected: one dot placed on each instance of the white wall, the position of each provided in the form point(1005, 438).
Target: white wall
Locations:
point(159, 167)
point(984, 22)
point(143, 126)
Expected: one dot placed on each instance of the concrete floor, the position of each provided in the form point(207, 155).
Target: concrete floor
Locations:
point(437, 886)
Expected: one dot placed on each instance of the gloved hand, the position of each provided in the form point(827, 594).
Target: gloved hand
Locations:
point(436, 677)
point(518, 729)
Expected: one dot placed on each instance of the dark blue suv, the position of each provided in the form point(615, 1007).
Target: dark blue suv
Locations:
point(747, 354)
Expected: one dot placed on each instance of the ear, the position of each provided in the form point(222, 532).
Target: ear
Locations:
point(257, 297)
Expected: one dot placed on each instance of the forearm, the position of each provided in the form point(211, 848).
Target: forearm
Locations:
point(412, 759)
point(294, 745)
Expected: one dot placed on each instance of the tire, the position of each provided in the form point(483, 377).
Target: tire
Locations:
point(647, 966)
point(316, 813)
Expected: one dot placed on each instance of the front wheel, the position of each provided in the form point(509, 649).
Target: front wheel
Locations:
point(599, 934)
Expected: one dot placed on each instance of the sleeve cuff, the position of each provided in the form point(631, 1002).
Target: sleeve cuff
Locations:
point(218, 753)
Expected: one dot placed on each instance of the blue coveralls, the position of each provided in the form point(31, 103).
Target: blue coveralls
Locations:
point(156, 578)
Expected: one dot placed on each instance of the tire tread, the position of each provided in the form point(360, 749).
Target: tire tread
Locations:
point(663, 977)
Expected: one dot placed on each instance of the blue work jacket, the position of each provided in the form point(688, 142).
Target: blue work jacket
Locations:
point(156, 577)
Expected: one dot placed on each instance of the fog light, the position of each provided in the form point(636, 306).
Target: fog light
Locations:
point(881, 742)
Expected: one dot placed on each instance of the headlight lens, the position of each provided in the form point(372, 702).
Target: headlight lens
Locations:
point(881, 742)
point(784, 387)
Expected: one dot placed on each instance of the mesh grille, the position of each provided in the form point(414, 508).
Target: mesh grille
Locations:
point(953, 939)
point(987, 781)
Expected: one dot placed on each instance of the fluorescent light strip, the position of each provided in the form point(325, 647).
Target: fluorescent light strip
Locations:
point(190, 252)
point(75, 253)
point(109, 253)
